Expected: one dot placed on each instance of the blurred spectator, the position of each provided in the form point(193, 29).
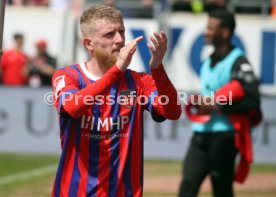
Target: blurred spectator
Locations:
point(15, 2)
point(28, 2)
point(15, 63)
point(9, 2)
point(273, 8)
point(37, 2)
point(129, 8)
point(43, 66)
point(198, 6)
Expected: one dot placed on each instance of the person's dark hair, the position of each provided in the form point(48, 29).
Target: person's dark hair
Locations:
point(227, 19)
point(17, 35)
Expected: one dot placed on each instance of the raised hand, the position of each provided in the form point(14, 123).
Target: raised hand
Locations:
point(126, 53)
point(158, 48)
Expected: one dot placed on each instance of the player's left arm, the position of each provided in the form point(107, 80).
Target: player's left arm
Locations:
point(162, 95)
point(244, 87)
point(167, 94)
point(165, 103)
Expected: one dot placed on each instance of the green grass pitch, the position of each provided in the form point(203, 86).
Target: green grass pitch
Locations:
point(25, 175)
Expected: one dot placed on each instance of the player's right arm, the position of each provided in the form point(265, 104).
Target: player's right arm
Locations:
point(71, 100)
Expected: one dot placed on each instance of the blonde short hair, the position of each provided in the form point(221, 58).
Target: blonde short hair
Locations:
point(96, 13)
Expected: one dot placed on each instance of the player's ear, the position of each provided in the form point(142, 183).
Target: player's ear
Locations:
point(87, 43)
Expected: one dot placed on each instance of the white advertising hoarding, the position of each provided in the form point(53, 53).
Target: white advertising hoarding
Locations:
point(28, 124)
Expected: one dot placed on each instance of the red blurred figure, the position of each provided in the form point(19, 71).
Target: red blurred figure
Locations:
point(15, 64)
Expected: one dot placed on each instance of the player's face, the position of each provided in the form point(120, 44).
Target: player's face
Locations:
point(213, 32)
point(19, 42)
point(109, 36)
point(107, 40)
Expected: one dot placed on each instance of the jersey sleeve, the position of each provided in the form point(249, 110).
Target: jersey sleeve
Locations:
point(70, 99)
point(161, 94)
point(244, 87)
point(64, 85)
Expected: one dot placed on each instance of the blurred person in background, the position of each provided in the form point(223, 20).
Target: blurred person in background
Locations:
point(102, 140)
point(226, 74)
point(199, 6)
point(43, 66)
point(273, 8)
point(28, 2)
point(15, 2)
point(37, 2)
point(15, 63)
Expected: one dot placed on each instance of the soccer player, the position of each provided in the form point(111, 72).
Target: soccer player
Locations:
point(100, 104)
point(228, 76)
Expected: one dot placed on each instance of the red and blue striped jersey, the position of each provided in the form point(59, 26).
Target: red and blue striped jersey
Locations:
point(101, 133)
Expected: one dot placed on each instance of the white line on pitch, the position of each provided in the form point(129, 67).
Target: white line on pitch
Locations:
point(27, 174)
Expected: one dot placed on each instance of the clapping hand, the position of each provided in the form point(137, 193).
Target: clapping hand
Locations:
point(158, 48)
point(126, 53)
